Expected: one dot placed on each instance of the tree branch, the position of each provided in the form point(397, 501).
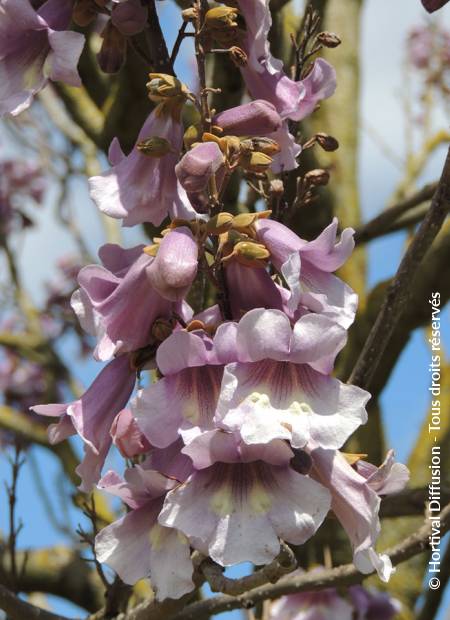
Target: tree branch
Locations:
point(283, 564)
point(17, 609)
point(382, 223)
point(398, 291)
point(59, 571)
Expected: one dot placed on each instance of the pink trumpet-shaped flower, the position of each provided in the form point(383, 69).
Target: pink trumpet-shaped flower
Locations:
point(198, 165)
point(356, 503)
point(140, 188)
point(35, 47)
point(92, 416)
point(117, 302)
point(127, 436)
point(264, 74)
point(243, 499)
point(137, 546)
point(307, 268)
point(192, 372)
point(277, 390)
point(175, 266)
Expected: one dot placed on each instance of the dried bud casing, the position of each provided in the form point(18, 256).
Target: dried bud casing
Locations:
point(163, 86)
point(220, 223)
point(154, 147)
point(328, 39)
point(327, 142)
point(255, 161)
point(317, 177)
point(221, 17)
point(238, 56)
point(264, 145)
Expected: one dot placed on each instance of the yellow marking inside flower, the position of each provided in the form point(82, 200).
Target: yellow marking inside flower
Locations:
point(190, 412)
point(262, 400)
point(300, 408)
point(221, 501)
point(260, 502)
point(157, 536)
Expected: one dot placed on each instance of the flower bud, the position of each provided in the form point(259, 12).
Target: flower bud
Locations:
point(198, 165)
point(317, 177)
point(154, 147)
point(127, 436)
point(163, 86)
point(256, 118)
point(255, 162)
point(328, 39)
point(175, 265)
point(129, 17)
point(112, 53)
point(221, 17)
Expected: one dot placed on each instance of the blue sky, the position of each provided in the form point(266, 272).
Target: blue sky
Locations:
point(406, 394)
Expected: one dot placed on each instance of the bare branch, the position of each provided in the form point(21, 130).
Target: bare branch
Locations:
point(382, 223)
point(16, 609)
point(283, 564)
point(410, 502)
point(399, 290)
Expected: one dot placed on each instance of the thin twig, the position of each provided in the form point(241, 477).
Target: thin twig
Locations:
point(382, 222)
point(398, 292)
point(176, 48)
point(16, 464)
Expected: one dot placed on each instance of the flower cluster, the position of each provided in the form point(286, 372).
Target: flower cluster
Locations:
point(236, 441)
